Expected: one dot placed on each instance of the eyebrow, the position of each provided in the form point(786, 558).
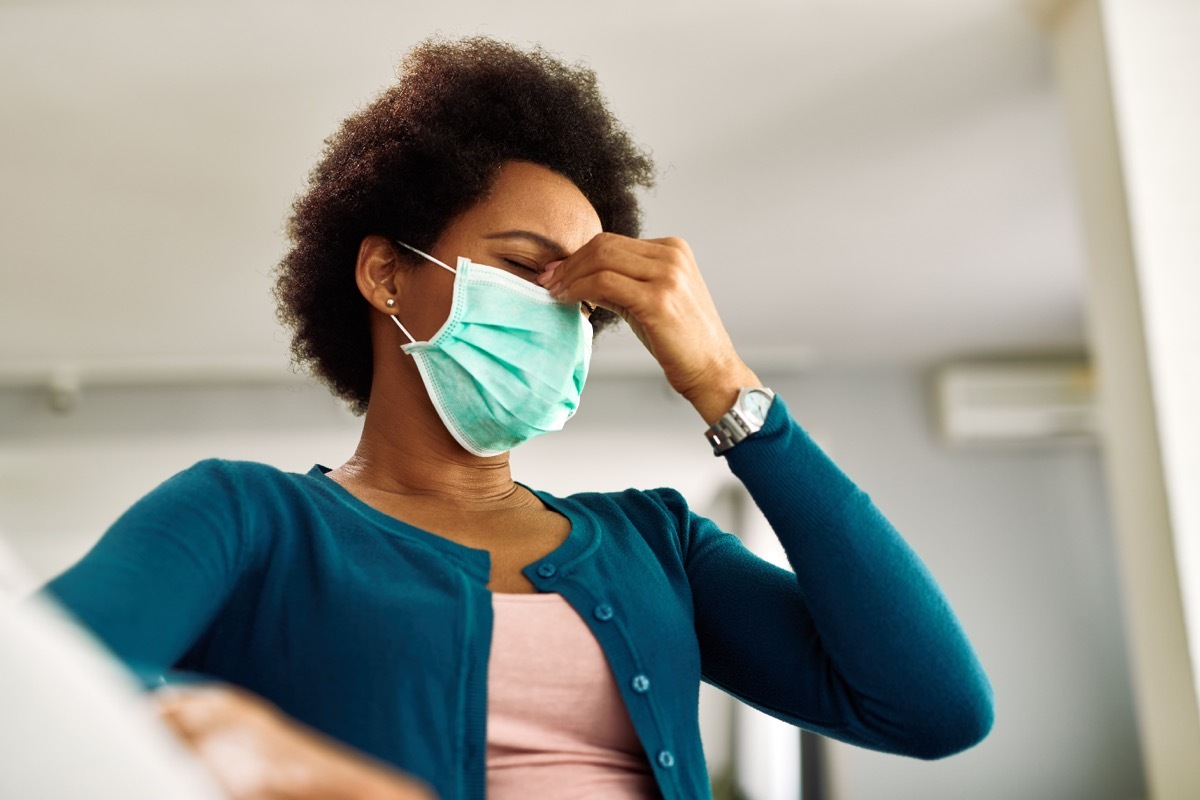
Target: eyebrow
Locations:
point(547, 244)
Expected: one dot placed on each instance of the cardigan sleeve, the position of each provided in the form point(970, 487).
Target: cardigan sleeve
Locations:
point(858, 642)
point(158, 576)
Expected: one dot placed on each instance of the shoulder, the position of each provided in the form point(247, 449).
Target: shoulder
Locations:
point(221, 474)
point(239, 490)
point(630, 502)
point(655, 514)
point(211, 466)
point(245, 503)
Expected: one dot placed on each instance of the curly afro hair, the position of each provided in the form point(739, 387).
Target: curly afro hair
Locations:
point(428, 148)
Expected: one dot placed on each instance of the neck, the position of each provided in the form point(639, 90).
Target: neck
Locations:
point(406, 450)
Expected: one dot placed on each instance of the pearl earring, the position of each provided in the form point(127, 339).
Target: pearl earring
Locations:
point(390, 303)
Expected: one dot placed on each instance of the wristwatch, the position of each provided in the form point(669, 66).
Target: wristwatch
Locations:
point(747, 416)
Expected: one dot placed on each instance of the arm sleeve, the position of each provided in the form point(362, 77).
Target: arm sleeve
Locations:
point(859, 644)
point(158, 576)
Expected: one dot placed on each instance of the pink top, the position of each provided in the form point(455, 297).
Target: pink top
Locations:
point(556, 725)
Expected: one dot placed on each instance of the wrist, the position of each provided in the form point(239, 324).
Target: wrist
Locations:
point(746, 418)
point(713, 397)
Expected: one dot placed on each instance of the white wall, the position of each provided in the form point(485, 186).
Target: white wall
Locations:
point(1154, 63)
point(1019, 539)
point(1127, 73)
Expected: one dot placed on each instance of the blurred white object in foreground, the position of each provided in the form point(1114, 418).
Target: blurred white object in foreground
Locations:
point(74, 724)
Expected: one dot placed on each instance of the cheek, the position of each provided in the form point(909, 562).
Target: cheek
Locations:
point(426, 303)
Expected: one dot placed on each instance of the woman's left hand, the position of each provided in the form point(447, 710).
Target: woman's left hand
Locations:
point(656, 287)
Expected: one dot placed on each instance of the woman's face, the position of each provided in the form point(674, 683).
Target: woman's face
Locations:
point(531, 217)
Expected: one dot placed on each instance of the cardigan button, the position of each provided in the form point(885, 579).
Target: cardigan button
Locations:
point(603, 612)
point(666, 759)
point(641, 684)
point(546, 570)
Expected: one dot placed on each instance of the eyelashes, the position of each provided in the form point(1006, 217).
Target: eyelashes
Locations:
point(520, 266)
point(587, 307)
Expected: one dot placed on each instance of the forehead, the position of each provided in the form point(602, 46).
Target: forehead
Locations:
point(530, 197)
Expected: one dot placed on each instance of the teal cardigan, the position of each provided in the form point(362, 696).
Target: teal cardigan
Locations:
point(377, 633)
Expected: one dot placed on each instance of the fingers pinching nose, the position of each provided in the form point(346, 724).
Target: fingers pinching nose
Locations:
point(549, 274)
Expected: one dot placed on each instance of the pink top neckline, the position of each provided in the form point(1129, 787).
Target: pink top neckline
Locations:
point(527, 597)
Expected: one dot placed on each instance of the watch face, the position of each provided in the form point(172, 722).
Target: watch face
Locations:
point(756, 404)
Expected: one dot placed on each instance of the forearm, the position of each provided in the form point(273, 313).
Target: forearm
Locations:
point(880, 618)
point(255, 752)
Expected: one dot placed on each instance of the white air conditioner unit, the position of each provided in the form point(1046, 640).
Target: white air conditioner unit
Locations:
point(1016, 402)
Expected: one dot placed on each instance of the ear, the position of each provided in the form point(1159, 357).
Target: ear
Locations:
point(377, 272)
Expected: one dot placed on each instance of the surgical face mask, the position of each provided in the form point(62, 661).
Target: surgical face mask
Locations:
point(508, 364)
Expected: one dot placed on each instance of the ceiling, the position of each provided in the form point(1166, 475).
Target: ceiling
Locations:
point(862, 183)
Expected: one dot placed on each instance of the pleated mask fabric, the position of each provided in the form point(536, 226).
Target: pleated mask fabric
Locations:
point(508, 364)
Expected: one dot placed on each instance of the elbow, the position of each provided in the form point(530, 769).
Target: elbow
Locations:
point(956, 726)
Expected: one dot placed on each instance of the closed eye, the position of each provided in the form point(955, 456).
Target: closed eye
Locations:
point(521, 266)
point(584, 305)
point(525, 271)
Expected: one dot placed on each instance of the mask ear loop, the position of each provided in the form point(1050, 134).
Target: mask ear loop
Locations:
point(444, 266)
point(426, 255)
point(403, 330)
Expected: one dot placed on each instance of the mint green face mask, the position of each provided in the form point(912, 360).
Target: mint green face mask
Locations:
point(508, 364)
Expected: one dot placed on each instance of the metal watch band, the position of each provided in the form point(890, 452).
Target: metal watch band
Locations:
point(726, 432)
point(734, 426)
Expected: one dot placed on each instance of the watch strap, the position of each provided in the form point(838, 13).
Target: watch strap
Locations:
point(737, 424)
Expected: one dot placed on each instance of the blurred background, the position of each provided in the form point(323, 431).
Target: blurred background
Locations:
point(915, 218)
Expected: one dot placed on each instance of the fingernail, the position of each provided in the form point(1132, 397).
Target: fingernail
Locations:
point(548, 273)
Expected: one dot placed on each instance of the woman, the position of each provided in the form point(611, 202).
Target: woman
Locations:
point(459, 242)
